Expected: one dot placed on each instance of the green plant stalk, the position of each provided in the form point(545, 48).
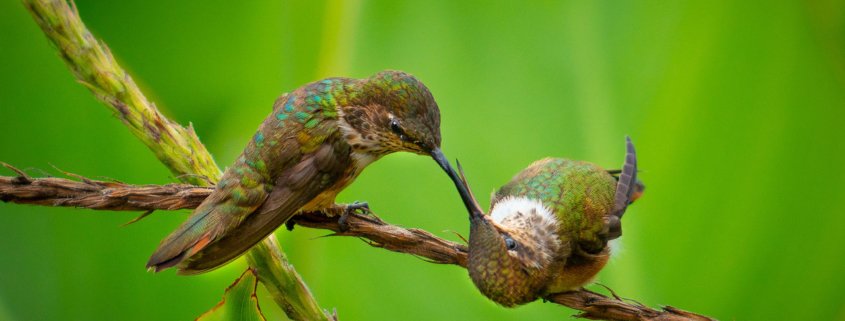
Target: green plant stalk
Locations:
point(92, 63)
point(176, 147)
point(277, 278)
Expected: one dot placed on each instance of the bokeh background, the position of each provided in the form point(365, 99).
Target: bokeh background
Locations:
point(736, 108)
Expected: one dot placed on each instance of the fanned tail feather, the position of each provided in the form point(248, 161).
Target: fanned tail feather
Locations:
point(627, 189)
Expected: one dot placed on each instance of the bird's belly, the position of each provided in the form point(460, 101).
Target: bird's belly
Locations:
point(326, 199)
point(323, 200)
point(574, 275)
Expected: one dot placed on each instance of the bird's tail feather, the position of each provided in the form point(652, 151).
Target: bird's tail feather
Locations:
point(626, 189)
point(254, 228)
point(200, 230)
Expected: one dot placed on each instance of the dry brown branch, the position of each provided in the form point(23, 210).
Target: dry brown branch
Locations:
point(124, 197)
point(597, 306)
point(100, 195)
point(378, 233)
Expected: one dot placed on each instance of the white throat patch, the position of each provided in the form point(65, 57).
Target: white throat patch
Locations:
point(510, 206)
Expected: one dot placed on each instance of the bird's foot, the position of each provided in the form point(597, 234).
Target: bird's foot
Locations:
point(361, 207)
point(290, 224)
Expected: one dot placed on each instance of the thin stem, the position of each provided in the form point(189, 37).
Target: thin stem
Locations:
point(281, 280)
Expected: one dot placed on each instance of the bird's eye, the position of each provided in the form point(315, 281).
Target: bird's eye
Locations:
point(394, 126)
point(510, 243)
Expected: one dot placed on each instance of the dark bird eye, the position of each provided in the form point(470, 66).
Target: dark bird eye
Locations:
point(510, 243)
point(394, 126)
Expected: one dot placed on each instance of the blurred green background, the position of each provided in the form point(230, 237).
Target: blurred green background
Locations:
point(737, 110)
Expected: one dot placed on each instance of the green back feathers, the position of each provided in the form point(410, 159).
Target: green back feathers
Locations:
point(581, 194)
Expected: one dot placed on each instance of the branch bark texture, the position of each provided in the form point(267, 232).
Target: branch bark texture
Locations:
point(375, 232)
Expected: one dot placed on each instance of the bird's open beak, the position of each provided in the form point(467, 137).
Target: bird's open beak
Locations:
point(471, 204)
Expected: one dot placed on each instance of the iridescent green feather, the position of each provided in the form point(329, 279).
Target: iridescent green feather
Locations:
point(579, 193)
point(297, 153)
point(298, 124)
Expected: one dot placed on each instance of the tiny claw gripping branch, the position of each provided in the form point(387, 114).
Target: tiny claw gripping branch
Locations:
point(349, 209)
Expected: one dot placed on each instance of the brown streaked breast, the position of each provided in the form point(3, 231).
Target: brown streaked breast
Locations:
point(578, 271)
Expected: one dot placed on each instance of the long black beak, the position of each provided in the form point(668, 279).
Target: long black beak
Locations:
point(471, 204)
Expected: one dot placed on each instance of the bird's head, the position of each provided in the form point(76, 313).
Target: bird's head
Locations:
point(512, 250)
point(394, 112)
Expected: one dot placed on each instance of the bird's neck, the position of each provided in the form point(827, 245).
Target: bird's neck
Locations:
point(356, 124)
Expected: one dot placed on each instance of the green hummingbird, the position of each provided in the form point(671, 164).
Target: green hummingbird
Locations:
point(548, 228)
point(316, 141)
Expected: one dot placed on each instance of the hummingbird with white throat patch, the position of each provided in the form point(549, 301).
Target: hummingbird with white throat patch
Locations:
point(548, 228)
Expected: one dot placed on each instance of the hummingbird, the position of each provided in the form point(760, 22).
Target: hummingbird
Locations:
point(315, 142)
point(548, 228)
